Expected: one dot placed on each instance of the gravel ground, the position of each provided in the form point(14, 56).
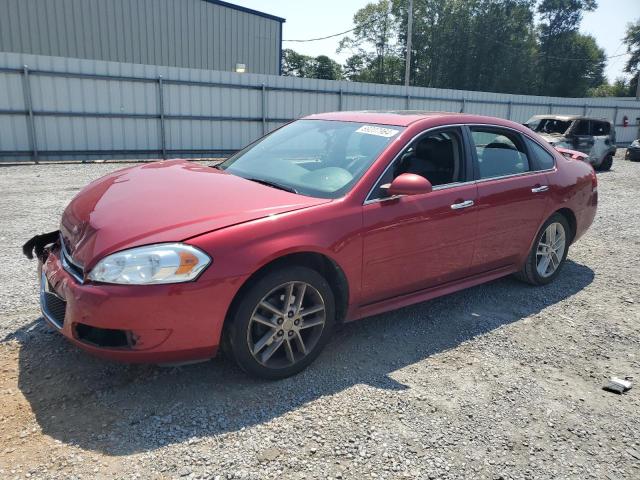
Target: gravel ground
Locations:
point(501, 381)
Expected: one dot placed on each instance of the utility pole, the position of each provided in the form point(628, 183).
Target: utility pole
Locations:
point(638, 86)
point(407, 67)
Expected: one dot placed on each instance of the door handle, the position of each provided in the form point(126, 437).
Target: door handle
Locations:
point(465, 204)
point(540, 189)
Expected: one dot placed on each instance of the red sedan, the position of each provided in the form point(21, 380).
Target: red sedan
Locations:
point(329, 219)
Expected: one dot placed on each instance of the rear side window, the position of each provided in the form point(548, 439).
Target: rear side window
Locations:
point(541, 159)
point(581, 128)
point(499, 152)
point(600, 129)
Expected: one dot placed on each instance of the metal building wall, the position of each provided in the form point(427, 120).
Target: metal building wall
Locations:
point(181, 33)
point(64, 108)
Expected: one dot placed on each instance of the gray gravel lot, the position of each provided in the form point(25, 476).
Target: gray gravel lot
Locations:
point(501, 381)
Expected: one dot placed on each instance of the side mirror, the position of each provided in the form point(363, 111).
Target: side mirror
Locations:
point(409, 184)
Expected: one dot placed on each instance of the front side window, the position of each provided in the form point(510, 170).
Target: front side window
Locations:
point(543, 159)
point(319, 158)
point(499, 152)
point(436, 156)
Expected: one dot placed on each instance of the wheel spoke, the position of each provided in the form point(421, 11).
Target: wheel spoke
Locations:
point(263, 321)
point(300, 343)
point(260, 344)
point(267, 306)
point(543, 265)
point(288, 298)
point(552, 231)
point(290, 356)
point(271, 349)
point(559, 239)
point(312, 323)
point(311, 310)
point(302, 289)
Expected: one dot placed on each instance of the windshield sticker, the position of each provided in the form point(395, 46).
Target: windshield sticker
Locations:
point(377, 131)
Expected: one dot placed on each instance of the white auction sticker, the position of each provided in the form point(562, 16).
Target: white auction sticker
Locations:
point(378, 131)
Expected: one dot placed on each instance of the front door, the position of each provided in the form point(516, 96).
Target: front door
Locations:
point(416, 242)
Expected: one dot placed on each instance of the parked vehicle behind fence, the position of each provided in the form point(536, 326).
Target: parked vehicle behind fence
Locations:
point(595, 137)
point(633, 151)
point(328, 219)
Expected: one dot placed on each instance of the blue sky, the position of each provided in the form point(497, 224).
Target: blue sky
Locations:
point(307, 19)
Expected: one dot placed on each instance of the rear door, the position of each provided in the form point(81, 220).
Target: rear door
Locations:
point(513, 193)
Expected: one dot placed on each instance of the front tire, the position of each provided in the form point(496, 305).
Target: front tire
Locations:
point(606, 164)
point(282, 323)
point(549, 252)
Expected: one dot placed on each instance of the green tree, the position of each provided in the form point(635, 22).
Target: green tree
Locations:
point(569, 63)
point(471, 44)
point(373, 44)
point(489, 45)
point(326, 68)
point(295, 64)
point(632, 40)
point(619, 88)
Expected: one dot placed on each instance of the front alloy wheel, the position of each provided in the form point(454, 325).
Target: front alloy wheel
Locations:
point(286, 324)
point(281, 322)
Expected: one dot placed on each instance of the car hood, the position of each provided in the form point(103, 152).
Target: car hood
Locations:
point(166, 201)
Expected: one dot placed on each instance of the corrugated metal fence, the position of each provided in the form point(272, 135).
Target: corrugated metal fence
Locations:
point(54, 108)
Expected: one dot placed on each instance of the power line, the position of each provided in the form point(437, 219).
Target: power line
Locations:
point(497, 41)
point(322, 38)
point(364, 25)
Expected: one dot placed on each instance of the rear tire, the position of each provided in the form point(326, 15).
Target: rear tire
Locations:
point(549, 252)
point(282, 323)
point(606, 164)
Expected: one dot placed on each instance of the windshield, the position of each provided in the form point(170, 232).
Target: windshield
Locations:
point(319, 158)
point(549, 125)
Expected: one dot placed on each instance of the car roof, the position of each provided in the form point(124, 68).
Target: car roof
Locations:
point(404, 118)
point(566, 118)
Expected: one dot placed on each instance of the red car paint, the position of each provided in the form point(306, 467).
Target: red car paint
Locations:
point(379, 247)
point(574, 154)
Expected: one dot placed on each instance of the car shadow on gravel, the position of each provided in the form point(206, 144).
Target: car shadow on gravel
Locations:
point(122, 409)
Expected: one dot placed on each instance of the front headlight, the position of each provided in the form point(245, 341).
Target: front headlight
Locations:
point(153, 264)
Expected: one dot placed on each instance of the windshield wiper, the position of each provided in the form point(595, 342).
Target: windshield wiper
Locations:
point(270, 183)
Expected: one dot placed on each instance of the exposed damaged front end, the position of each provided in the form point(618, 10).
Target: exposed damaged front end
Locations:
point(119, 322)
point(38, 244)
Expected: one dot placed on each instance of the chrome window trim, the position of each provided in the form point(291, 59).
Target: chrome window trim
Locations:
point(369, 200)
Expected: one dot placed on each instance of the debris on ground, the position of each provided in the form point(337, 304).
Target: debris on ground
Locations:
point(617, 385)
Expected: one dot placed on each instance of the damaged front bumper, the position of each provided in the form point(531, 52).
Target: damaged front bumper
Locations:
point(131, 323)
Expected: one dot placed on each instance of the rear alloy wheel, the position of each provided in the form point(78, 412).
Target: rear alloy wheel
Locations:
point(282, 323)
point(548, 253)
